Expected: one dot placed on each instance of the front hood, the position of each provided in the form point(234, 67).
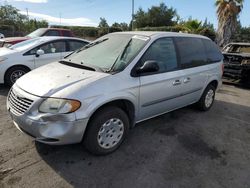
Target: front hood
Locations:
point(6, 51)
point(54, 77)
point(15, 39)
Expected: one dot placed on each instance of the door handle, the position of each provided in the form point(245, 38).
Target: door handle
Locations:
point(186, 80)
point(176, 83)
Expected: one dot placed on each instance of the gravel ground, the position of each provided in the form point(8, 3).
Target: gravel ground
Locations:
point(185, 148)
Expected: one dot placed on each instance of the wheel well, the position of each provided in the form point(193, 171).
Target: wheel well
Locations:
point(126, 105)
point(214, 83)
point(23, 66)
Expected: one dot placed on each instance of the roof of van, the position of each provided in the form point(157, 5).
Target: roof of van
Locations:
point(160, 33)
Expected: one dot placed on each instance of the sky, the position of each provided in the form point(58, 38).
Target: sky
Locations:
point(88, 12)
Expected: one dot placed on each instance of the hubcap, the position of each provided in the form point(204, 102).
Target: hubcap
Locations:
point(110, 133)
point(209, 98)
point(16, 75)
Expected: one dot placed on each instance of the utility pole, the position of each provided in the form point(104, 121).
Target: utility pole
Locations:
point(133, 14)
point(60, 14)
point(27, 11)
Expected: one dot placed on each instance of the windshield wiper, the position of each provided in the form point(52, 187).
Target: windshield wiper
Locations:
point(120, 56)
point(90, 45)
point(81, 66)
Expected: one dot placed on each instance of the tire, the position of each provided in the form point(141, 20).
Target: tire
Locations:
point(207, 99)
point(10, 78)
point(106, 131)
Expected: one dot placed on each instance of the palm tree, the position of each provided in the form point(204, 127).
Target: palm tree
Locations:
point(227, 12)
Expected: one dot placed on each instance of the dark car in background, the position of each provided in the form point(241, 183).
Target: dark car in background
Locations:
point(8, 41)
point(237, 61)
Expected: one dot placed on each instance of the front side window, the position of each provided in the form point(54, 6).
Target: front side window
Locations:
point(66, 33)
point(191, 52)
point(163, 52)
point(52, 33)
point(51, 47)
point(75, 45)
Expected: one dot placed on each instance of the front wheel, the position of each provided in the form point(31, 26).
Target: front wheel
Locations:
point(207, 99)
point(106, 131)
point(13, 74)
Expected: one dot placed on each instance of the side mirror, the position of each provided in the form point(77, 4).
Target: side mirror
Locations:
point(39, 52)
point(148, 67)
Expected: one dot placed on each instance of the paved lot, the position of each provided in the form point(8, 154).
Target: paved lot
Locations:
point(185, 148)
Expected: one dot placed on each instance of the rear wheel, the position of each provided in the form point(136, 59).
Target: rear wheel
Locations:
point(207, 99)
point(106, 131)
point(13, 74)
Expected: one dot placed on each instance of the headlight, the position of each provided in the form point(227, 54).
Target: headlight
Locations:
point(59, 106)
point(3, 59)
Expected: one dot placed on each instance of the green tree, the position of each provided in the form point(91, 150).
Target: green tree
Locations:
point(193, 26)
point(156, 16)
point(14, 23)
point(103, 23)
point(10, 15)
point(228, 12)
point(123, 26)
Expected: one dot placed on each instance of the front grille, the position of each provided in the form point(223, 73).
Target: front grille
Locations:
point(18, 105)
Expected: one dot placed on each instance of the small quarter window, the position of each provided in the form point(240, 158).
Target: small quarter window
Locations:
point(213, 51)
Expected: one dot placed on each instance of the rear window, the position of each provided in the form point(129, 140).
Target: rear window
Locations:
point(191, 52)
point(213, 51)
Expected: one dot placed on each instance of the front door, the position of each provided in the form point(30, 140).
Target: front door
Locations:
point(53, 51)
point(161, 92)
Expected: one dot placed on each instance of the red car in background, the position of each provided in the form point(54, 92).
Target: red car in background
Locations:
point(37, 33)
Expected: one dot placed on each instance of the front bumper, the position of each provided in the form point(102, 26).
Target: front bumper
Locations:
point(46, 128)
point(235, 70)
point(53, 132)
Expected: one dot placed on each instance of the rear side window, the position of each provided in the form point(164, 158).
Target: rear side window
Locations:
point(192, 52)
point(52, 33)
point(213, 52)
point(163, 52)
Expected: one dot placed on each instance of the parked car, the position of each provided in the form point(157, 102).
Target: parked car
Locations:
point(8, 41)
point(1, 36)
point(98, 93)
point(237, 61)
point(20, 58)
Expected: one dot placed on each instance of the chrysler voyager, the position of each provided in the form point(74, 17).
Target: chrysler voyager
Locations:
point(99, 92)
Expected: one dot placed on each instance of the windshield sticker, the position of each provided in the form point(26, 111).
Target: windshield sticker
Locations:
point(140, 37)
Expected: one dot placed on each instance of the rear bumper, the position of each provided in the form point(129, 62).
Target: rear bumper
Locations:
point(54, 132)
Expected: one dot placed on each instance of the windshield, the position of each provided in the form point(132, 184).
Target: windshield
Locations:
point(238, 49)
point(25, 44)
point(36, 33)
point(113, 51)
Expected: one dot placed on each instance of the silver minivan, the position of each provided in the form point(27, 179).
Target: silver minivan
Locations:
point(96, 94)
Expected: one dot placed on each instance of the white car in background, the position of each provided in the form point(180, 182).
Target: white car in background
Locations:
point(23, 57)
point(1, 36)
